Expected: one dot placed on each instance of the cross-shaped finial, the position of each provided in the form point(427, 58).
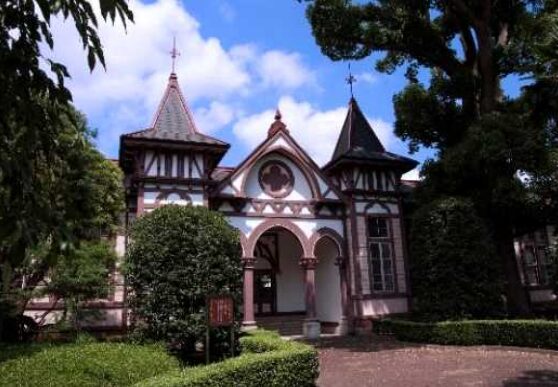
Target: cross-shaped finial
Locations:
point(174, 53)
point(350, 80)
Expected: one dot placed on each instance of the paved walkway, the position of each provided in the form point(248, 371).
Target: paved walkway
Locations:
point(377, 361)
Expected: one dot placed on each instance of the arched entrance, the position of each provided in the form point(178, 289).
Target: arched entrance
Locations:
point(281, 285)
point(278, 277)
point(328, 285)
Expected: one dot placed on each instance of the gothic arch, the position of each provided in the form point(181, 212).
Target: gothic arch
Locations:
point(326, 232)
point(243, 243)
point(372, 204)
point(281, 223)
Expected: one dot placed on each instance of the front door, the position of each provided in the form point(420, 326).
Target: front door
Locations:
point(264, 292)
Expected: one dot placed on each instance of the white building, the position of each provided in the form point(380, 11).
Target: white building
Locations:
point(323, 247)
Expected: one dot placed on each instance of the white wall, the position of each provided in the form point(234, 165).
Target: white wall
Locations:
point(328, 285)
point(290, 280)
point(301, 189)
point(379, 307)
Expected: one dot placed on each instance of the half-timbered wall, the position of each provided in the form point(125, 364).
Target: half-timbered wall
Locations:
point(177, 165)
point(366, 179)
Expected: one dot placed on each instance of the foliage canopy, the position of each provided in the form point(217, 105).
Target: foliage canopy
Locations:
point(454, 265)
point(483, 138)
point(178, 256)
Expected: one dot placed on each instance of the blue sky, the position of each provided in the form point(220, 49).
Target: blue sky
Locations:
point(239, 60)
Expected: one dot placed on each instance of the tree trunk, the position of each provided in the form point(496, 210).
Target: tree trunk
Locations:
point(516, 294)
point(6, 273)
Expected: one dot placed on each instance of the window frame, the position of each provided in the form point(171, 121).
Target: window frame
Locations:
point(381, 240)
point(538, 266)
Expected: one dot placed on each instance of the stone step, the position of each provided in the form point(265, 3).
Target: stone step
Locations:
point(286, 325)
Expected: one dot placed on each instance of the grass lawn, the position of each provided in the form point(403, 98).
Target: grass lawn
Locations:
point(83, 365)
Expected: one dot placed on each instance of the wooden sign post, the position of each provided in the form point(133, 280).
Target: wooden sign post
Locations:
point(220, 313)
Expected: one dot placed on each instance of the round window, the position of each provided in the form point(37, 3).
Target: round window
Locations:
point(276, 178)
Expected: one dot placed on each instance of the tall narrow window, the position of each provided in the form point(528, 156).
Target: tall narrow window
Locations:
point(536, 265)
point(168, 165)
point(380, 264)
point(380, 181)
point(180, 166)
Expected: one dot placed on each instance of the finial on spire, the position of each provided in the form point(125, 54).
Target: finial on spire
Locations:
point(277, 125)
point(174, 53)
point(350, 80)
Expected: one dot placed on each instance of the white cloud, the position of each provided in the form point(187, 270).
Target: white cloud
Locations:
point(284, 70)
point(217, 115)
point(315, 130)
point(413, 174)
point(366, 77)
point(125, 96)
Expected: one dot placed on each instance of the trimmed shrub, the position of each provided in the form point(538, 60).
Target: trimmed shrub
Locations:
point(455, 272)
point(178, 256)
point(266, 360)
point(100, 364)
point(520, 333)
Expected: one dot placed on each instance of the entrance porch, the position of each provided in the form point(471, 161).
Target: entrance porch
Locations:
point(295, 285)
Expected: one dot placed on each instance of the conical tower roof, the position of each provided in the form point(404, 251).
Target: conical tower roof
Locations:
point(358, 143)
point(173, 120)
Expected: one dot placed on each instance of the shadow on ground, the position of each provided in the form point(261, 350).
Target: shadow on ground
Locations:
point(539, 378)
point(364, 343)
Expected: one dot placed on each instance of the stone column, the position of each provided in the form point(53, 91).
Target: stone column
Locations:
point(311, 327)
point(343, 328)
point(248, 322)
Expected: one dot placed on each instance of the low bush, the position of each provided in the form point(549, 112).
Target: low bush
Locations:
point(521, 333)
point(83, 365)
point(266, 360)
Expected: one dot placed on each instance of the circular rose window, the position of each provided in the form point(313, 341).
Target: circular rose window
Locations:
point(276, 179)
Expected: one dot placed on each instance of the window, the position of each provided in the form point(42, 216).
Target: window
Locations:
point(377, 228)
point(168, 165)
point(536, 265)
point(380, 255)
point(180, 166)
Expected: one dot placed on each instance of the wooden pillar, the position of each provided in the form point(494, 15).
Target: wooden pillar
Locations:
point(341, 262)
point(311, 327)
point(248, 321)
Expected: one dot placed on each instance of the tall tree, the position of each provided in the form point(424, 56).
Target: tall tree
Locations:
point(34, 117)
point(84, 198)
point(483, 138)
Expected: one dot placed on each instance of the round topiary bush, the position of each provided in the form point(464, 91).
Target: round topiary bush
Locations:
point(177, 256)
point(454, 268)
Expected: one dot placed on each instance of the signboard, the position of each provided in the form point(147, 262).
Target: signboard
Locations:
point(221, 311)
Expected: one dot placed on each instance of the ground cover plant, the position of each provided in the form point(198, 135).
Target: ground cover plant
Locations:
point(83, 365)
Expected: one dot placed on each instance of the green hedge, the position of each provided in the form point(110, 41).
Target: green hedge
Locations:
point(266, 360)
point(83, 365)
point(521, 333)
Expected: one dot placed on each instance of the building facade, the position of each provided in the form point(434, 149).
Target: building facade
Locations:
point(324, 246)
point(323, 243)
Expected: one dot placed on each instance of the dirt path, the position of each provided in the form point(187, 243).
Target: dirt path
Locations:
point(374, 361)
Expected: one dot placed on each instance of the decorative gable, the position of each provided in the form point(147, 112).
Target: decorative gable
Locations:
point(278, 169)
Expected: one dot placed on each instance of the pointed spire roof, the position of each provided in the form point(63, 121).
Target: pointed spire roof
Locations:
point(173, 120)
point(358, 143)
